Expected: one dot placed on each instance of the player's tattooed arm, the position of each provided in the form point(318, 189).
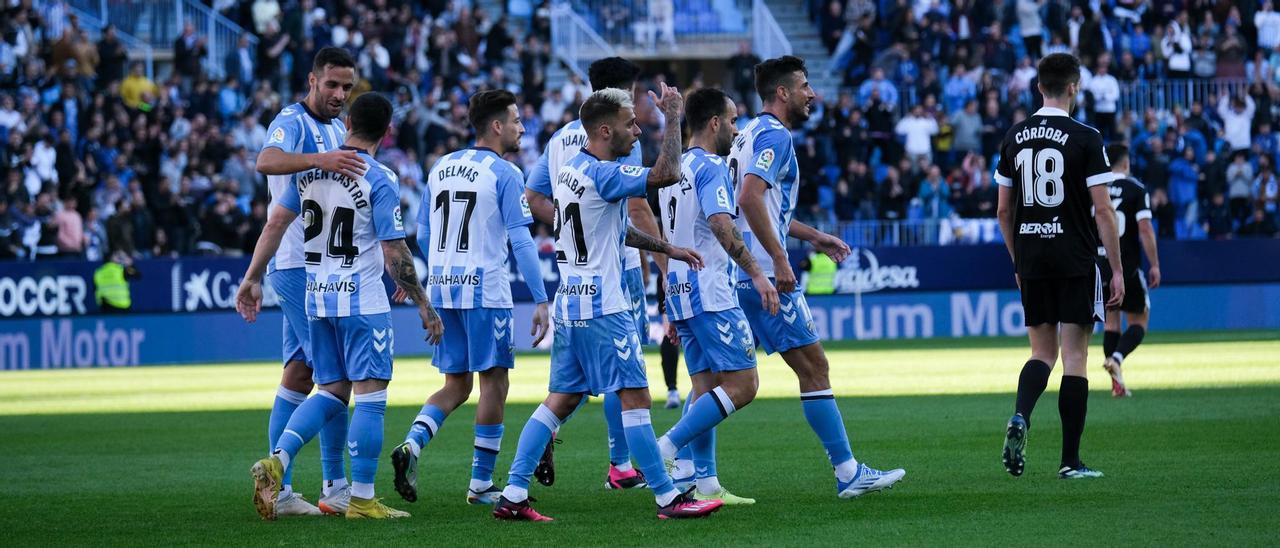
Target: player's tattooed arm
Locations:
point(730, 239)
point(640, 240)
point(399, 264)
point(666, 170)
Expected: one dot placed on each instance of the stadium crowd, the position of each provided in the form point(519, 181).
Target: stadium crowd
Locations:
point(96, 157)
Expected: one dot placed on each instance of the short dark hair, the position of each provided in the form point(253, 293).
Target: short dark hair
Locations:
point(370, 116)
point(702, 106)
point(613, 72)
point(774, 72)
point(1056, 71)
point(1117, 152)
point(331, 56)
point(487, 105)
point(602, 105)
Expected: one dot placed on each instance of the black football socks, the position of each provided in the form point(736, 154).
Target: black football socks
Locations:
point(1129, 341)
point(1031, 384)
point(1109, 341)
point(1073, 404)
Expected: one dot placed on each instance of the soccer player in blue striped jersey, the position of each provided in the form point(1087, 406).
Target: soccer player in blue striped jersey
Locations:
point(474, 206)
point(352, 231)
point(702, 305)
point(597, 349)
point(303, 136)
point(610, 72)
point(764, 168)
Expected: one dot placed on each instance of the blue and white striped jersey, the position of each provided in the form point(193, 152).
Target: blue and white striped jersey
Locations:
point(297, 130)
point(565, 143)
point(705, 189)
point(345, 222)
point(591, 224)
point(764, 149)
point(473, 196)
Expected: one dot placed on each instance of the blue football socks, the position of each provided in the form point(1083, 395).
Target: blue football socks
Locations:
point(364, 441)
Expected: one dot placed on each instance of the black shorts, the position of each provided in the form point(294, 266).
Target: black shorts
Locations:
point(1075, 300)
point(1136, 300)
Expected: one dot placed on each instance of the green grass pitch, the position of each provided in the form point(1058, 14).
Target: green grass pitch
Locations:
point(160, 456)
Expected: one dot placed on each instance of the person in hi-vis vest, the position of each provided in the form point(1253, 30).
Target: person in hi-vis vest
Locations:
point(111, 283)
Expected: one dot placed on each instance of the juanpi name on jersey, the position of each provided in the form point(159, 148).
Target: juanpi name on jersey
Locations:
point(863, 273)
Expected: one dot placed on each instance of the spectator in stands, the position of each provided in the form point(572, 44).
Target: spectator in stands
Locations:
point(934, 195)
point(877, 88)
point(918, 130)
point(112, 57)
point(71, 238)
point(1031, 25)
point(1239, 185)
point(1184, 176)
point(893, 196)
point(1218, 221)
point(1106, 97)
point(1267, 21)
point(1266, 190)
point(1176, 46)
point(1237, 118)
point(239, 63)
point(120, 229)
point(137, 91)
point(189, 49)
point(742, 72)
point(1259, 225)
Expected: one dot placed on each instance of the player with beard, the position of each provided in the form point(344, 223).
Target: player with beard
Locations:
point(474, 206)
point(763, 165)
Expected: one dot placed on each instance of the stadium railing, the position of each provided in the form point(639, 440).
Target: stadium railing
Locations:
point(92, 24)
point(159, 24)
point(666, 27)
point(767, 39)
point(1135, 97)
point(574, 41)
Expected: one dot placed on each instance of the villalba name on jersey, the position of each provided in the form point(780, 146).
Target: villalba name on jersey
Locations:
point(591, 221)
point(473, 197)
point(705, 189)
point(565, 144)
point(297, 130)
point(345, 221)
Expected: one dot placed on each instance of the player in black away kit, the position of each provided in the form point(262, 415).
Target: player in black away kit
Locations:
point(1051, 170)
point(1133, 222)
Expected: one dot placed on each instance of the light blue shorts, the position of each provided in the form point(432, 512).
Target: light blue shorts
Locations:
point(475, 340)
point(354, 348)
point(290, 286)
point(791, 328)
point(717, 341)
point(634, 279)
point(597, 356)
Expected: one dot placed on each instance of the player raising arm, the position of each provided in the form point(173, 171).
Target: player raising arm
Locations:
point(763, 165)
point(1052, 169)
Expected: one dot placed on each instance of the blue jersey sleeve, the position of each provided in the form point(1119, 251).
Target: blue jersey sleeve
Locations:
point(512, 204)
point(285, 132)
point(540, 176)
point(773, 150)
point(615, 181)
point(715, 190)
point(387, 223)
point(291, 201)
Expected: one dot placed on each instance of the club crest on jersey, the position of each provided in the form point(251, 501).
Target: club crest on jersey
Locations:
point(277, 136)
point(765, 160)
point(632, 171)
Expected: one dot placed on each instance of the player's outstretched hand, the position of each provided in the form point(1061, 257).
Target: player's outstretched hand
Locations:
point(541, 324)
point(671, 103)
point(343, 161)
point(1153, 277)
point(784, 277)
point(1117, 290)
point(431, 322)
point(833, 247)
point(768, 293)
point(689, 256)
point(249, 300)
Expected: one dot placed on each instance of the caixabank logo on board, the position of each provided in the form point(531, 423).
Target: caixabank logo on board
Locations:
point(209, 289)
point(863, 273)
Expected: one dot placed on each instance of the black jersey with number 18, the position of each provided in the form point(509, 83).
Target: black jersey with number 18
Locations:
point(1049, 161)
